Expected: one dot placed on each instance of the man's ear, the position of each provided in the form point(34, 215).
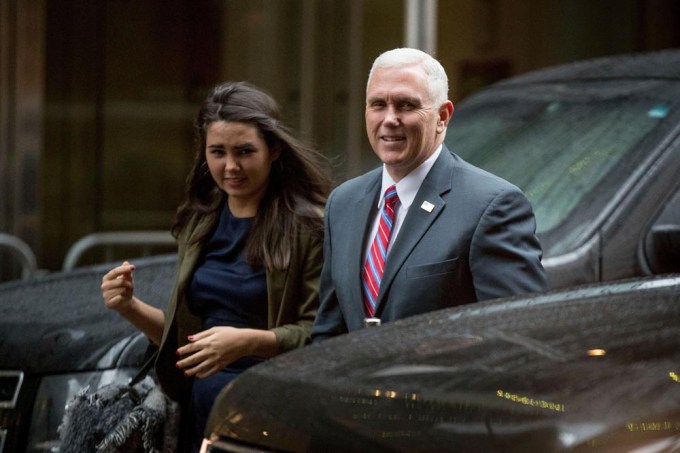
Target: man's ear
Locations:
point(445, 114)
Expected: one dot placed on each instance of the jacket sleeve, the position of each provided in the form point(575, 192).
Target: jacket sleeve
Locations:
point(505, 255)
point(329, 320)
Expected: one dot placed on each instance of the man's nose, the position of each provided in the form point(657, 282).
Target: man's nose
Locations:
point(391, 114)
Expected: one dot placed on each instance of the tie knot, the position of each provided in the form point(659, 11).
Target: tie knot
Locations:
point(391, 196)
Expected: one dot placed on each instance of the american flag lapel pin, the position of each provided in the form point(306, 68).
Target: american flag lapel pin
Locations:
point(427, 206)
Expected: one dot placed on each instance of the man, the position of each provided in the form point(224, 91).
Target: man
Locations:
point(450, 234)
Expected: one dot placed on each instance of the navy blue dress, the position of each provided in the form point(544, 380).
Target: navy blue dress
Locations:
point(225, 291)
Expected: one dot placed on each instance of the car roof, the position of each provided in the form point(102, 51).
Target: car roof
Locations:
point(649, 65)
point(554, 370)
point(59, 323)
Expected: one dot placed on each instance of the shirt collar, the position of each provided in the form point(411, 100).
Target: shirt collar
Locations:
point(409, 185)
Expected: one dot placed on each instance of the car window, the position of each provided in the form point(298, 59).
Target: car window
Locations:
point(568, 146)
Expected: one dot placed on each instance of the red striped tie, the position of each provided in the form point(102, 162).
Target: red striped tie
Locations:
point(375, 262)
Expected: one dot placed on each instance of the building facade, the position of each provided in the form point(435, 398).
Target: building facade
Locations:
point(97, 98)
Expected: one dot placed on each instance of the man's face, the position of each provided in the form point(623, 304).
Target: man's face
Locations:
point(403, 125)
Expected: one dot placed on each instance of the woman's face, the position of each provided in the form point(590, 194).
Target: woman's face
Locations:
point(239, 161)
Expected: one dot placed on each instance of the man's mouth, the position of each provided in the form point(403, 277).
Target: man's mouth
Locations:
point(392, 138)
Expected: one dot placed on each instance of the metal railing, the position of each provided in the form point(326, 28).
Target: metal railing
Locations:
point(22, 252)
point(146, 239)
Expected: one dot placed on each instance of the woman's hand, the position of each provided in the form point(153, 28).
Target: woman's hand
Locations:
point(118, 287)
point(118, 293)
point(211, 350)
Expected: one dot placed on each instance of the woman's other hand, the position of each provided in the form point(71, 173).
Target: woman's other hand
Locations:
point(211, 350)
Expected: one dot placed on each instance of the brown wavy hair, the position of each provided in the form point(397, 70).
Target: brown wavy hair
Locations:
point(298, 185)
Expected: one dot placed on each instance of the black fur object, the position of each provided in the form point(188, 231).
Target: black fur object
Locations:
point(120, 418)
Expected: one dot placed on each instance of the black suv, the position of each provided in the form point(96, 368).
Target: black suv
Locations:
point(57, 337)
point(593, 369)
point(595, 145)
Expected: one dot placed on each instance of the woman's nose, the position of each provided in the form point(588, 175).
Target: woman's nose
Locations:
point(231, 164)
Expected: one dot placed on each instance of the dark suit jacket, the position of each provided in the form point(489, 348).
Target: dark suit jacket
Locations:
point(292, 297)
point(477, 243)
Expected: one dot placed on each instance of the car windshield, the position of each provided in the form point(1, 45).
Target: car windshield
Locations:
point(568, 146)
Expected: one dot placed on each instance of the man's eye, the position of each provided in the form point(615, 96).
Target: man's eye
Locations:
point(406, 106)
point(377, 105)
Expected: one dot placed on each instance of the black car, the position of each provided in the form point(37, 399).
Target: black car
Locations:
point(590, 369)
point(595, 145)
point(56, 337)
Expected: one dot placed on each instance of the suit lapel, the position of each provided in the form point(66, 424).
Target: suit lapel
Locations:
point(357, 235)
point(418, 220)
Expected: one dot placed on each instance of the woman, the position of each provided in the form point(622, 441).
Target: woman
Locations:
point(249, 239)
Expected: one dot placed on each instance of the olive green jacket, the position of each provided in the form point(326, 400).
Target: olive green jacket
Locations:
point(293, 298)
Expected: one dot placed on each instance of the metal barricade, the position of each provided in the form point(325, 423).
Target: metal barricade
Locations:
point(146, 239)
point(22, 252)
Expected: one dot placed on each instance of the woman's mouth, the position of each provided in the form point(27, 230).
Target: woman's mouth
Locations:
point(233, 181)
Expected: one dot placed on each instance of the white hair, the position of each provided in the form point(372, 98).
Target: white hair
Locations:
point(437, 81)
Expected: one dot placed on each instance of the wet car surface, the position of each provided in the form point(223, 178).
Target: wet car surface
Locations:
point(595, 145)
point(56, 337)
point(591, 369)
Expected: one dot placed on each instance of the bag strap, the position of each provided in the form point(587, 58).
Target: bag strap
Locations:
point(144, 370)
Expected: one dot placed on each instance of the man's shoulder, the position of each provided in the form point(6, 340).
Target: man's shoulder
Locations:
point(474, 176)
point(358, 185)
